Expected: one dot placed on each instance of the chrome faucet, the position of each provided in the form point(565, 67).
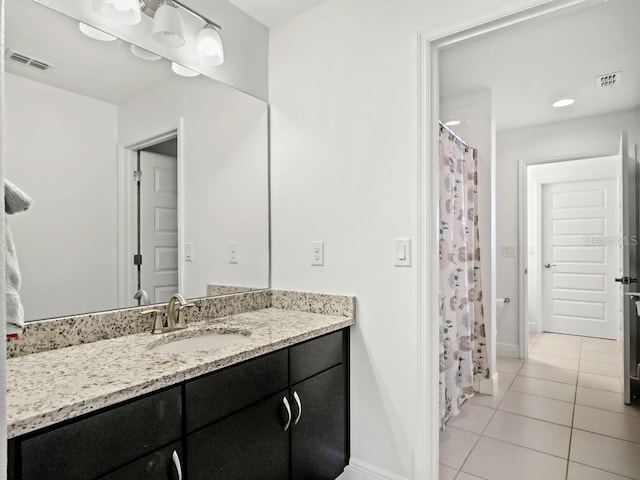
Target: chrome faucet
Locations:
point(174, 318)
point(175, 315)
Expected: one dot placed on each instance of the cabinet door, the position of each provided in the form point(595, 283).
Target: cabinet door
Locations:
point(248, 445)
point(97, 444)
point(319, 438)
point(157, 466)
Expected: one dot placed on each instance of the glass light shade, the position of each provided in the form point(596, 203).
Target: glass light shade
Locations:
point(122, 12)
point(94, 33)
point(144, 54)
point(210, 46)
point(168, 27)
point(183, 71)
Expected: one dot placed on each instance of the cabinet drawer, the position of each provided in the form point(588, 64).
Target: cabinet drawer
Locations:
point(314, 356)
point(217, 395)
point(97, 444)
point(156, 466)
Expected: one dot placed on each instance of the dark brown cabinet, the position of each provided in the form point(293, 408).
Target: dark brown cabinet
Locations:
point(280, 416)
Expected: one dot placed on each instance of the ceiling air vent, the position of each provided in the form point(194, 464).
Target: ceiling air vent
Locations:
point(27, 60)
point(609, 80)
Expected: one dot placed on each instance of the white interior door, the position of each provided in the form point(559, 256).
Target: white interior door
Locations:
point(159, 226)
point(628, 274)
point(581, 257)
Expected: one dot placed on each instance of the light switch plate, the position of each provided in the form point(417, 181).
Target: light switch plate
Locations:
point(317, 254)
point(402, 252)
point(233, 253)
point(188, 252)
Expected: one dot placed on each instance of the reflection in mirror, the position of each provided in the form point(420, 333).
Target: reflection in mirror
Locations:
point(75, 134)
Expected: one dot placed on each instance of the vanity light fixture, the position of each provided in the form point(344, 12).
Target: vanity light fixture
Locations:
point(122, 12)
point(168, 27)
point(94, 33)
point(452, 123)
point(144, 54)
point(182, 70)
point(564, 102)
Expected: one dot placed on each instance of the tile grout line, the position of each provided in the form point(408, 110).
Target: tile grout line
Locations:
point(573, 415)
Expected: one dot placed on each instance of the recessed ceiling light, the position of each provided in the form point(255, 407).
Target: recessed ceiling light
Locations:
point(452, 123)
point(94, 33)
point(144, 54)
point(565, 102)
point(183, 71)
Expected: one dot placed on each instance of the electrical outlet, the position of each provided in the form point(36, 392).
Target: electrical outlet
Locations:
point(508, 251)
point(317, 254)
point(233, 253)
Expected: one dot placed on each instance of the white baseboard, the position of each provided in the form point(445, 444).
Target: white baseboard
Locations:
point(487, 386)
point(359, 470)
point(508, 350)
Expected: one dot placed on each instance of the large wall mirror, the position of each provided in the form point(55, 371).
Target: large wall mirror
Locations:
point(76, 132)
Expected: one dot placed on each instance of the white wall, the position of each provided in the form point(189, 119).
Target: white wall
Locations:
point(343, 93)
point(586, 137)
point(225, 145)
point(68, 166)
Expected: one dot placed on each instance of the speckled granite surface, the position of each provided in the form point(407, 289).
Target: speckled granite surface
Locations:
point(67, 331)
point(214, 290)
point(314, 302)
point(56, 385)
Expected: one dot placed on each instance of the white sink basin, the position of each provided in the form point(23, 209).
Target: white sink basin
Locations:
point(201, 343)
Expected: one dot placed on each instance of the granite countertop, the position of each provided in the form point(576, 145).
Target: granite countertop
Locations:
point(49, 387)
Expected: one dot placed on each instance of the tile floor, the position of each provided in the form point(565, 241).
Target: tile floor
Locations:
point(559, 415)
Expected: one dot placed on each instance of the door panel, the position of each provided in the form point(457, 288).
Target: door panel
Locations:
point(631, 355)
point(159, 226)
point(580, 223)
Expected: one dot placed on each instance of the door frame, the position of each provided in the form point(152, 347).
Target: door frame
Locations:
point(483, 20)
point(127, 246)
point(523, 235)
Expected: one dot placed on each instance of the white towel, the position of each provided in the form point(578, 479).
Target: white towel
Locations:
point(15, 201)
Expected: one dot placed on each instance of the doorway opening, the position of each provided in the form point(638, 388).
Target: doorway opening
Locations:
point(505, 210)
point(156, 260)
point(150, 221)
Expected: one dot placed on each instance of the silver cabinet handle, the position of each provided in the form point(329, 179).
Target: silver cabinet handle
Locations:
point(297, 399)
point(176, 463)
point(549, 265)
point(288, 407)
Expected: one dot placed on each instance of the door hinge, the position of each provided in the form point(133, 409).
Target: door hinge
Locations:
point(137, 259)
point(137, 175)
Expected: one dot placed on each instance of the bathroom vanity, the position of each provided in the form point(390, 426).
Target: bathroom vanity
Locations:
point(275, 407)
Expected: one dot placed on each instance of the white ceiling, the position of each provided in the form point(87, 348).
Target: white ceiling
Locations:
point(532, 64)
point(103, 70)
point(272, 12)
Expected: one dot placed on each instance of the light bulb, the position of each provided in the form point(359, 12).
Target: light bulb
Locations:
point(122, 12)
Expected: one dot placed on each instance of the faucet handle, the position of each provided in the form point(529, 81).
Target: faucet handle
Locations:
point(157, 314)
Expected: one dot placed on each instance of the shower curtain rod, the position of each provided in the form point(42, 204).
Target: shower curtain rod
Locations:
point(451, 132)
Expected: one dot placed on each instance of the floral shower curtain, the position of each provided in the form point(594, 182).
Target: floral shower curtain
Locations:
point(462, 332)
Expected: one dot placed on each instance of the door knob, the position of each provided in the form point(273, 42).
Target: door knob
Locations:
point(549, 265)
point(626, 280)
